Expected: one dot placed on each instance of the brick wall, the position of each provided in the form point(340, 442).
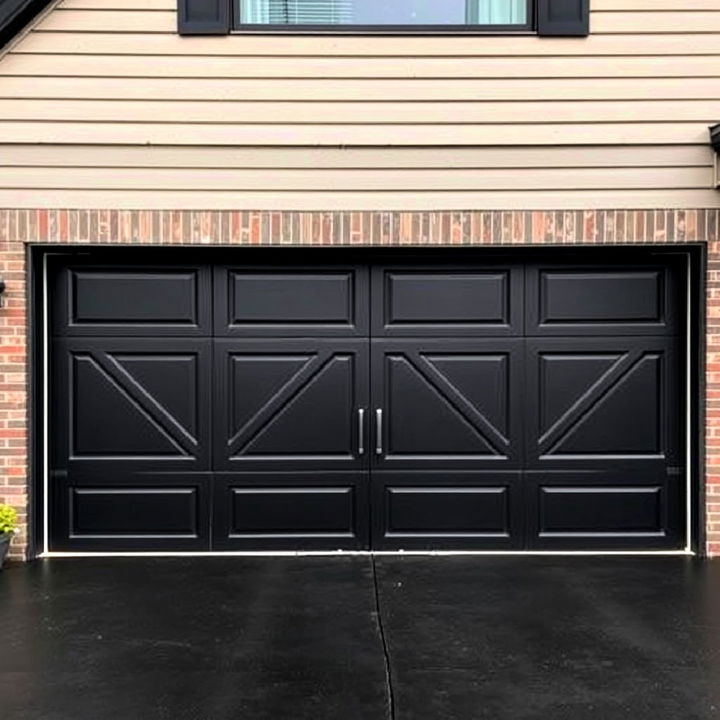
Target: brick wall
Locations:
point(609, 227)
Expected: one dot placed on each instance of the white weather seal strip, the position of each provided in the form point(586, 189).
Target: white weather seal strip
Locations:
point(377, 553)
point(46, 406)
point(689, 464)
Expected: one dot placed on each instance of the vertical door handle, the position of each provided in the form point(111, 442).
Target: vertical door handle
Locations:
point(361, 431)
point(379, 432)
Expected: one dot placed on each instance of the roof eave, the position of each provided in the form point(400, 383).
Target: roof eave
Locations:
point(15, 15)
point(715, 137)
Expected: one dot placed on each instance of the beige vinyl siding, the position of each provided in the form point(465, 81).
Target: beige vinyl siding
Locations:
point(102, 104)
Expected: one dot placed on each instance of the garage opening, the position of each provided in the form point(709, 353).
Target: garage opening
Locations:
point(369, 400)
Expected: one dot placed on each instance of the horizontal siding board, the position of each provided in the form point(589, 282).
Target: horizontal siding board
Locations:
point(450, 89)
point(168, 5)
point(367, 112)
point(372, 113)
point(364, 180)
point(596, 5)
point(355, 46)
point(517, 158)
point(169, 66)
point(656, 22)
point(139, 21)
point(218, 200)
point(266, 134)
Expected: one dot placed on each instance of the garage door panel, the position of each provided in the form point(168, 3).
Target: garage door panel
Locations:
point(292, 302)
point(118, 300)
point(119, 511)
point(447, 403)
point(445, 509)
point(290, 404)
point(604, 510)
point(132, 402)
point(291, 511)
point(597, 300)
point(601, 402)
point(438, 300)
point(375, 402)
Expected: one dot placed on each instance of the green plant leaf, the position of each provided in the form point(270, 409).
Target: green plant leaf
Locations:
point(8, 519)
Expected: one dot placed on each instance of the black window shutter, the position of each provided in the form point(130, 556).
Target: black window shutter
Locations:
point(563, 17)
point(203, 17)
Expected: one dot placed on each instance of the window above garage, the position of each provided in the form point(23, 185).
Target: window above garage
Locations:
point(543, 17)
point(384, 14)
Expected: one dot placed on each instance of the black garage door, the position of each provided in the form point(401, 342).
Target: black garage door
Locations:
point(372, 403)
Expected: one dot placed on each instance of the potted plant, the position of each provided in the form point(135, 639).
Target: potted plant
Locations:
point(8, 527)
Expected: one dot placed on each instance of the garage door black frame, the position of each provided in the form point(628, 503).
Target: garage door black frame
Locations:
point(695, 254)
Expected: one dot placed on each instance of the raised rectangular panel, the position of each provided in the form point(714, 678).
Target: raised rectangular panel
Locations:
point(601, 301)
point(605, 509)
point(133, 297)
point(447, 509)
point(288, 299)
point(447, 301)
point(114, 510)
point(291, 302)
point(290, 511)
point(600, 510)
point(133, 512)
point(131, 301)
point(585, 297)
point(439, 298)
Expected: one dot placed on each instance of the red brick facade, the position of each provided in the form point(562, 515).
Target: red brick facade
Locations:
point(19, 227)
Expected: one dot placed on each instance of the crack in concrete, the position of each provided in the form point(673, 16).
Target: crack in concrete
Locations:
point(383, 639)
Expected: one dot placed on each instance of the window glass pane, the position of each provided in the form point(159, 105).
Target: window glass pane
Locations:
point(383, 12)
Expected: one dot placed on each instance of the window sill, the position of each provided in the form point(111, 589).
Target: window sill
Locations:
point(383, 32)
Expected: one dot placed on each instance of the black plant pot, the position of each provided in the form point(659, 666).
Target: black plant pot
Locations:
point(4, 547)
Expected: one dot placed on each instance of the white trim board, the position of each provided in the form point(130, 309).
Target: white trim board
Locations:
point(376, 553)
point(689, 464)
point(46, 408)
